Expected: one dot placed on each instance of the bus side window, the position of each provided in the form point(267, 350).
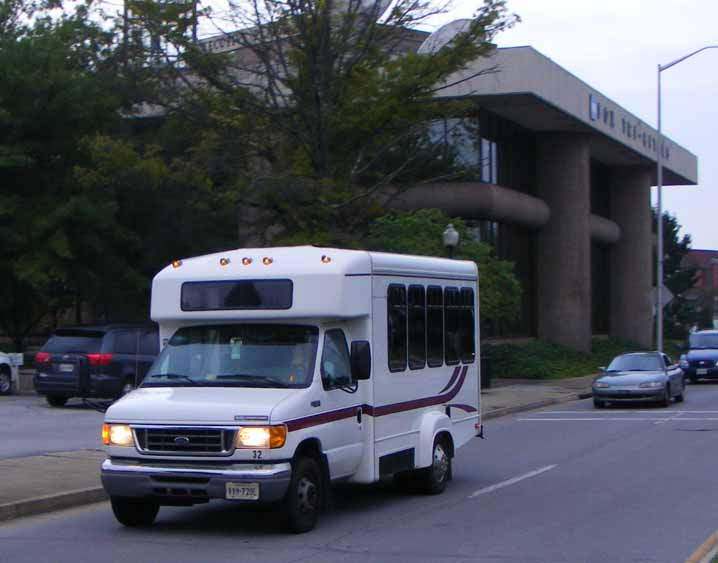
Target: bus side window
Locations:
point(435, 326)
point(396, 327)
point(467, 324)
point(417, 327)
point(452, 344)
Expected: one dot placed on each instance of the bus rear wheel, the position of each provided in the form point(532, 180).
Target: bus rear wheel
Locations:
point(433, 479)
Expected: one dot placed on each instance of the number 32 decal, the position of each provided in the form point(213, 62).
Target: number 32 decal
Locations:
point(256, 454)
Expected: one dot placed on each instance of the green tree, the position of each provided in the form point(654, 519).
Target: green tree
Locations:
point(419, 232)
point(678, 316)
point(329, 94)
point(57, 85)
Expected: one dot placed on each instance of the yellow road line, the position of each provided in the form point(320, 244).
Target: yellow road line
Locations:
point(700, 554)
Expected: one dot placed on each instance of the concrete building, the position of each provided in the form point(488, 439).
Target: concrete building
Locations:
point(561, 186)
point(558, 180)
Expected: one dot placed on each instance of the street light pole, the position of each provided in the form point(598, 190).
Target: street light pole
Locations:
point(659, 202)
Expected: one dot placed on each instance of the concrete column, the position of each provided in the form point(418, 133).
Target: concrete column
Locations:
point(563, 245)
point(631, 311)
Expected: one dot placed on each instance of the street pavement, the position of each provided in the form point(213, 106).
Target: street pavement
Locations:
point(29, 426)
point(563, 484)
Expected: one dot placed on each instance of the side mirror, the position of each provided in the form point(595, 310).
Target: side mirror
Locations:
point(361, 360)
point(602, 369)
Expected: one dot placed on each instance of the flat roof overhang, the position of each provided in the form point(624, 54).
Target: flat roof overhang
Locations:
point(531, 90)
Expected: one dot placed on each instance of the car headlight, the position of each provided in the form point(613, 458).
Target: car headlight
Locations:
point(261, 437)
point(601, 385)
point(651, 385)
point(117, 435)
point(683, 362)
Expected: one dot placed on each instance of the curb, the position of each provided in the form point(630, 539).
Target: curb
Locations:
point(531, 406)
point(706, 550)
point(51, 503)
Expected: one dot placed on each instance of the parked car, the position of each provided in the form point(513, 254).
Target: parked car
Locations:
point(639, 376)
point(700, 359)
point(106, 361)
point(9, 364)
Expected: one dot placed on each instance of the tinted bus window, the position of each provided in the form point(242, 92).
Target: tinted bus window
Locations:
point(240, 294)
point(396, 314)
point(417, 327)
point(435, 326)
point(452, 342)
point(467, 326)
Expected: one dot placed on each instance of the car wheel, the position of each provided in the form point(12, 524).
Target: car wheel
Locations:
point(680, 396)
point(56, 400)
point(666, 400)
point(5, 381)
point(303, 500)
point(599, 404)
point(433, 479)
point(134, 512)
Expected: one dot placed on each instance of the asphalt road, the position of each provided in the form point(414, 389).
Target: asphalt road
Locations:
point(29, 426)
point(568, 484)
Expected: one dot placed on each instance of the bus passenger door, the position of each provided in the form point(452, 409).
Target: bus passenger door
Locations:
point(343, 438)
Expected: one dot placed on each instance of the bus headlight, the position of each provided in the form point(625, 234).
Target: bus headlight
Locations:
point(117, 435)
point(261, 437)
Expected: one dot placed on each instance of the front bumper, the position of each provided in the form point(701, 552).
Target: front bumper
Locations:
point(186, 484)
point(629, 394)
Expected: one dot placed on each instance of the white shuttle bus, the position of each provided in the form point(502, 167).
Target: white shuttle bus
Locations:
point(285, 369)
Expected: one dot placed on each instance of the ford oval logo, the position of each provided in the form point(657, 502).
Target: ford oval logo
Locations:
point(181, 440)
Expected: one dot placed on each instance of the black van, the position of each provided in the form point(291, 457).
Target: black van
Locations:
point(700, 358)
point(105, 361)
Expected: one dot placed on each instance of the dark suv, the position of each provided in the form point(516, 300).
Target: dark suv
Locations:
point(700, 359)
point(105, 361)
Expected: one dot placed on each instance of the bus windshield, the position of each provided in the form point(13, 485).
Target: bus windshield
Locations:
point(237, 355)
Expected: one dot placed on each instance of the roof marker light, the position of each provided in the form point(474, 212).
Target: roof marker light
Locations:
point(326, 259)
point(224, 261)
point(176, 263)
point(267, 260)
point(246, 261)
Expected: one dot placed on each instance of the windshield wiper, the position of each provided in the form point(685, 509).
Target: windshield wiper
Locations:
point(258, 380)
point(186, 378)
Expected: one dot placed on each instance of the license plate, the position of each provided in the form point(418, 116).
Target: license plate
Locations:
point(67, 368)
point(702, 372)
point(242, 491)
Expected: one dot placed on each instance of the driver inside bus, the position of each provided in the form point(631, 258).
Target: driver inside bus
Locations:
point(298, 365)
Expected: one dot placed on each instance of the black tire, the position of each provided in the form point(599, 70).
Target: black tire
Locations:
point(433, 479)
point(5, 381)
point(56, 400)
point(134, 512)
point(666, 400)
point(304, 497)
point(680, 396)
point(599, 404)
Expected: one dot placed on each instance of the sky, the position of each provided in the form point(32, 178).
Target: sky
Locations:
point(615, 47)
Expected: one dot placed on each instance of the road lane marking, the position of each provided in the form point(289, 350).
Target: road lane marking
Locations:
point(513, 481)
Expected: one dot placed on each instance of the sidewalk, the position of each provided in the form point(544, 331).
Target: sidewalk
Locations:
point(50, 482)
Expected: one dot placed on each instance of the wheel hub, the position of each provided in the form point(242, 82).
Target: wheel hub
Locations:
point(441, 463)
point(306, 495)
point(4, 382)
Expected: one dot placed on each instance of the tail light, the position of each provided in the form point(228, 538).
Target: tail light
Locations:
point(42, 358)
point(99, 359)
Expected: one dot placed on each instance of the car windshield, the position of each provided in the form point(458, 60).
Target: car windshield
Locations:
point(703, 341)
point(237, 355)
point(636, 362)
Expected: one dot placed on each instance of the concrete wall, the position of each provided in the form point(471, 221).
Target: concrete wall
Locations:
point(631, 315)
point(563, 261)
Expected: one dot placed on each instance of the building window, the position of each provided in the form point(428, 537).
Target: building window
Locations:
point(417, 327)
point(396, 330)
point(452, 336)
point(435, 326)
point(483, 231)
point(489, 161)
